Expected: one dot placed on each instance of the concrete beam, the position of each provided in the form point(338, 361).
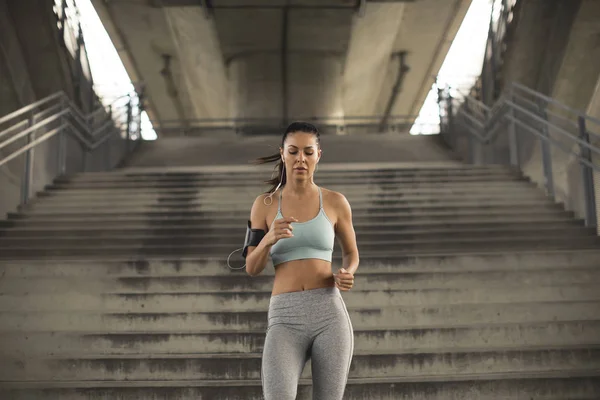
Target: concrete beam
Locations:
point(142, 32)
point(371, 44)
point(426, 34)
point(202, 64)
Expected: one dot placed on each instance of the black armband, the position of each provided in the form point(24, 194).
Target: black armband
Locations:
point(253, 238)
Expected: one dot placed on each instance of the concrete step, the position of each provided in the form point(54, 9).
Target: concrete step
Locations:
point(126, 267)
point(94, 222)
point(373, 340)
point(237, 202)
point(328, 167)
point(370, 213)
point(362, 316)
point(191, 248)
point(424, 193)
point(252, 173)
point(398, 248)
point(95, 231)
point(580, 385)
point(255, 175)
point(259, 301)
point(443, 362)
point(250, 195)
point(366, 280)
point(387, 206)
point(367, 240)
point(320, 180)
point(417, 317)
point(341, 187)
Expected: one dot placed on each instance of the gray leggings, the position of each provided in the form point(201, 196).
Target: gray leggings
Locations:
point(307, 324)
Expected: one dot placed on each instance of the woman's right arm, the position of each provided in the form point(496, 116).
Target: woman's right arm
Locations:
point(258, 256)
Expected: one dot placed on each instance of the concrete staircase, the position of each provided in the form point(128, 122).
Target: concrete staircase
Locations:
point(472, 285)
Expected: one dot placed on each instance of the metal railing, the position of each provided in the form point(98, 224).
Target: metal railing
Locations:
point(111, 131)
point(503, 134)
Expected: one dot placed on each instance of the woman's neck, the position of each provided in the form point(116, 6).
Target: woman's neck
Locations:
point(299, 188)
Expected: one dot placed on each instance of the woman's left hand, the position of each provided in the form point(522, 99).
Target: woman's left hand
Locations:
point(344, 280)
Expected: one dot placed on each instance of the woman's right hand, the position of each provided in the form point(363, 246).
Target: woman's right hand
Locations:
point(281, 229)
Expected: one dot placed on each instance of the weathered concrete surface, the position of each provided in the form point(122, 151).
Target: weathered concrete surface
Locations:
point(574, 86)
point(594, 111)
point(24, 82)
point(554, 50)
point(173, 152)
point(202, 63)
point(472, 285)
point(371, 45)
point(294, 62)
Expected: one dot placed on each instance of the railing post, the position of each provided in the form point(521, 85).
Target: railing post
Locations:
point(28, 168)
point(440, 109)
point(547, 155)
point(513, 139)
point(129, 121)
point(591, 219)
point(84, 158)
point(62, 144)
point(106, 143)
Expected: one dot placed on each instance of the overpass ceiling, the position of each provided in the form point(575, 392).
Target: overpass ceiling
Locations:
point(239, 4)
point(183, 50)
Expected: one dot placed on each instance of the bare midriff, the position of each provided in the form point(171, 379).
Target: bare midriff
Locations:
point(299, 275)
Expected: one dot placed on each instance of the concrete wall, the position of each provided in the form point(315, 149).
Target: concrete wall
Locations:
point(201, 60)
point(574, 86)
point(555, 50)
point(33, 65)
point(594, 111)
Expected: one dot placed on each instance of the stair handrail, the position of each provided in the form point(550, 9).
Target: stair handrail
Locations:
point(58, 115)
point(509, 108)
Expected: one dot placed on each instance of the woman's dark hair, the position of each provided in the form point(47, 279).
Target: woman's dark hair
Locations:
point(293, 127)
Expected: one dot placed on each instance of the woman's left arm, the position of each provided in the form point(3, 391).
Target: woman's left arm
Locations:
point(346, 236)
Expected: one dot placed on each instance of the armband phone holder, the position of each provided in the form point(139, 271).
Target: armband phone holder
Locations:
point(253, 238)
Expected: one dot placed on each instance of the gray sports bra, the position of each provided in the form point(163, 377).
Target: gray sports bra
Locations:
point(312, 239)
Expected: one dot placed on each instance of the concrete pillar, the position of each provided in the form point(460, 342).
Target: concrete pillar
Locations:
point(15, 92)
point(201, 60)
point(594, 111)
point(371, 44)
point(48, 64)
point(538, 42)
point(574, 86)
point(256, 86)
point(314, 86)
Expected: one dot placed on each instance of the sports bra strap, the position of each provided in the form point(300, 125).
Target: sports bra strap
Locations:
point(320, 199)
point(279, 205)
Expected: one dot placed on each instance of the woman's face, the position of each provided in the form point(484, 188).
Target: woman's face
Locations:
point(301, 153)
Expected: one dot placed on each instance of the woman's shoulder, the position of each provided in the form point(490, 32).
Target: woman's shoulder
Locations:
point(333, 198)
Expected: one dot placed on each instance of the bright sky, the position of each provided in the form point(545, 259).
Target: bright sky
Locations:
point(461, 66)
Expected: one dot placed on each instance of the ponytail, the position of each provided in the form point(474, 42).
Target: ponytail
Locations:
point(279, 177)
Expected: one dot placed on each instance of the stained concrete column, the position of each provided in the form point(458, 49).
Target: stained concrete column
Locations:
point(594, 111)
point(256, 86)
point(314, 86)
point(201, 60)
point(574, 86)
point(371, 43)
point(538, 39)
